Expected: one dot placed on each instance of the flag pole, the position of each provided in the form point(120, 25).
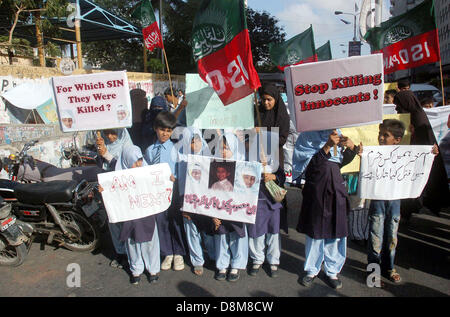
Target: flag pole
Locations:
point(440, 66)
point(258, 117)
point(168, 72)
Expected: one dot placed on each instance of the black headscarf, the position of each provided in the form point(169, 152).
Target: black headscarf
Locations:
point(407, 102)
point(277, 116)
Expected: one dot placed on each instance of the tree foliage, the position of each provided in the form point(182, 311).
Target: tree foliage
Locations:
point(30, 12)
point(178, 17)
point(263, 30)
point(117, 54)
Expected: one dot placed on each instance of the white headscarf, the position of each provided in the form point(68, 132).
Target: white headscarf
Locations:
point(236, 147)
point(247, 169)
point(130, 155)
point(115, 148)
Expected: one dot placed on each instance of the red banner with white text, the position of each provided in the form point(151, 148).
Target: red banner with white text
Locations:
point(410, 53)
point(230, 70)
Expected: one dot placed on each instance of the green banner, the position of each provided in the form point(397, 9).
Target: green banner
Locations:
point(324, 52)
point(144, 13)
point(295, 50)
point(417, 21)
point(216, 23)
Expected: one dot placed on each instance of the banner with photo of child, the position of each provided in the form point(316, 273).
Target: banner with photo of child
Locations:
point(136, 192)
point(223, 189)
point(93, 101)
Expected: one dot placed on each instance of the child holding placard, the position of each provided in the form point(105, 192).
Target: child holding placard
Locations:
point(323, 216)
point(140, 236)
point(231, 241)
point(196, 226)
point(170, 222)
point(384, 215)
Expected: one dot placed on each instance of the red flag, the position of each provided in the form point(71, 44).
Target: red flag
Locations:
point(221, 48)
point(152, 36)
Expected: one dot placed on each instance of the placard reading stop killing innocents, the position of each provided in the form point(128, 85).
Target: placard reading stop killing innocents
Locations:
point(93, 101)
point(335, 94)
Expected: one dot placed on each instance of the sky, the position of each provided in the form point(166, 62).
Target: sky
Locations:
point(295, 16)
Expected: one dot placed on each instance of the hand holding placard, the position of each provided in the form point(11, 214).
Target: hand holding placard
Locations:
point(101, 147)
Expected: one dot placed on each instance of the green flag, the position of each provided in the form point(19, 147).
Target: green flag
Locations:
point(221, 48)
point(150, 30)
point(324, 52)
point(408, 40)
point(298, 50)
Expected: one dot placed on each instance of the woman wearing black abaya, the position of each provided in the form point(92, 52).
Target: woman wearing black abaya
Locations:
point(435, 194)
point(273, 114)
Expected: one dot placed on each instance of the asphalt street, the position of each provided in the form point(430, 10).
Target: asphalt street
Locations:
point(423, 261)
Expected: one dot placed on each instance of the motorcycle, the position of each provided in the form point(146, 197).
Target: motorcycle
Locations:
point(85, 157)
point(56, 209)
point(24, 168)
point(14, 237)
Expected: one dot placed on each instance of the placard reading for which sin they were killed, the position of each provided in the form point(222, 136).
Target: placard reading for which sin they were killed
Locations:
point(93, 101)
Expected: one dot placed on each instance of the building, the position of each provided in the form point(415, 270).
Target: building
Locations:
point(442, 8)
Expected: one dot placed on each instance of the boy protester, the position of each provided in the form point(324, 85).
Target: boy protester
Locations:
point(384, 215)
point(169, 222)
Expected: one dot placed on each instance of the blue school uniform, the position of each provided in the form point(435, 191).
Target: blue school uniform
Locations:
point(139, 235)
point(198, 226)
point(230, 239)
point(169, 222)
point(266, 230)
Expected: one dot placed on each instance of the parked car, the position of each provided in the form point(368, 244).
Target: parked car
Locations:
point(427, 91)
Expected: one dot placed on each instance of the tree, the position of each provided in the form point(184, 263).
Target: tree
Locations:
point(178, 17)
point(117, 54)
point(263, 30)
point(21, 11)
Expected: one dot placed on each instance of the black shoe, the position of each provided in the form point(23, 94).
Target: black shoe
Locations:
point(123, 260)
point(153, 278)
point(254, 270)
point(307, 280)
point(135, 280)
point(273, 271)
point(233, 277)
point(334, 283)
point(220, 276)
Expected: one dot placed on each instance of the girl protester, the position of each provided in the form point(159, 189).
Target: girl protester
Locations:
point(323, 216)
point(266, 230)
point(273, 114)
point(198, 228)
point(110, 144)
point(141, 235)
point(230, 237)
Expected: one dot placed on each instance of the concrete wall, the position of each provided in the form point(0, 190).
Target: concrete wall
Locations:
point(51, 139)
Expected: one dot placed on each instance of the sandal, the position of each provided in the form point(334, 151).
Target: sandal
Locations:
point(394, 277)
point(198, 270)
